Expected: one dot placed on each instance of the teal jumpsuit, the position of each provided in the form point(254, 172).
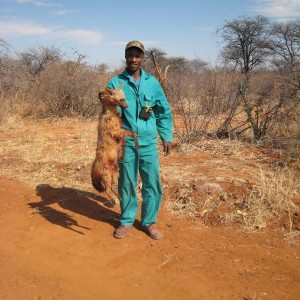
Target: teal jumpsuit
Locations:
point(147, 92)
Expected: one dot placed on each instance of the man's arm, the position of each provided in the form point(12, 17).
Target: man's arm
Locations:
point(164, 121)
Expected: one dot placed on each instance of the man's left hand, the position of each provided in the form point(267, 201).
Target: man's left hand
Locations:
point(167, 147)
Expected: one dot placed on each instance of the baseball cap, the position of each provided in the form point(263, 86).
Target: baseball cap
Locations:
point(136, 44)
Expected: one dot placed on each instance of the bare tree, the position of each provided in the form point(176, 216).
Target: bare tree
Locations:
point(285, 44)
point(4, 46)
point(197, 65)
point(38, 59)
point(246, 42)
point(160, 58)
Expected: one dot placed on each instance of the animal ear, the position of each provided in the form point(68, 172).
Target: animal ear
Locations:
point(101, 96)
point(108, 91)
point(120, 86)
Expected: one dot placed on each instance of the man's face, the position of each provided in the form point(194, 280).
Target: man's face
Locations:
point(134, 58)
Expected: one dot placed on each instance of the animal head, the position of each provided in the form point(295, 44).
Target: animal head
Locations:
point(113, 97)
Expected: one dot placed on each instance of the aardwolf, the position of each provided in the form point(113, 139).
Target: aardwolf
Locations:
point(111, 143)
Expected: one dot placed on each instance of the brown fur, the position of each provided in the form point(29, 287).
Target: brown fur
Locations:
point(111, 143)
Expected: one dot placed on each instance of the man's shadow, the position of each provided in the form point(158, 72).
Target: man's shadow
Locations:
point(80, 202)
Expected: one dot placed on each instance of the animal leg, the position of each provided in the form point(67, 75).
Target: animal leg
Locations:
point(121, 150)
point(112, 176)
point(123, 133)
point(113, 196)
point(115, 176)
point(128, 133)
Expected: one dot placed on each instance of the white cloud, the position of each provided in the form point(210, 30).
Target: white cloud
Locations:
point(63, 12)
point(277, 8)
point(29, 28)
point(81, 36)
point(37, 3)
point(19, 28)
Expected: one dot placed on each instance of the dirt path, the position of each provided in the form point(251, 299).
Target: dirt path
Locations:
point(57, 243)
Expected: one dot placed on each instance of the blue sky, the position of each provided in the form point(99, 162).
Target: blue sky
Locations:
point(100, 29)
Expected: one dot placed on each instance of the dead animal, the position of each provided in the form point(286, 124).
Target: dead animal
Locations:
point(110, 144)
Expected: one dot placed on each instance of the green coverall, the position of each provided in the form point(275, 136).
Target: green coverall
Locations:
point(143, 160)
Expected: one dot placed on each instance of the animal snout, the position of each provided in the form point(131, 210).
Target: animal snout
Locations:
point(123, 104)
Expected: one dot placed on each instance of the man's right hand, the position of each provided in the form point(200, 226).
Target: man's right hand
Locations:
point(167, 147)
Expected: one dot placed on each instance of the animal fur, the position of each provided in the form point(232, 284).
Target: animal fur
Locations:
point(111, 143)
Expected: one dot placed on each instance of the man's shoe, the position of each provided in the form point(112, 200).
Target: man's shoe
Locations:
point(153, 231)
point(121, 231)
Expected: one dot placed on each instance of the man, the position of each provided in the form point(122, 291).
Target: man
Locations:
point(148, 114)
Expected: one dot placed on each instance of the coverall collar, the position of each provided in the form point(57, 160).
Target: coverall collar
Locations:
point(144, 76)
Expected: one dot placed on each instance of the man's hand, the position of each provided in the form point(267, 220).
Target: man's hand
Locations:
point(167, 147)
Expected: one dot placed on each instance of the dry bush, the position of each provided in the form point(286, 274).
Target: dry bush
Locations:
point(11, 79)
point(272, 202)
point(64, 89)
point(268, 99)
point(43, 82)
point(234, 184)
point(4, 111)
point(274, 198)
point(223, 103)
point(200, 99)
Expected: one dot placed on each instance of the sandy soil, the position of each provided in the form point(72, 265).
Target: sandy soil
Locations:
point(57, 243)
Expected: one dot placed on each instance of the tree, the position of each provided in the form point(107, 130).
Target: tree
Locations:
point(3, 46)
point(197, 65)
point(246, 42)
point(285, 44)
point(155, 57)
point(38, 59)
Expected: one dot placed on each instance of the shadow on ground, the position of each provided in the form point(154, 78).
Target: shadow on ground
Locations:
point(75, 201)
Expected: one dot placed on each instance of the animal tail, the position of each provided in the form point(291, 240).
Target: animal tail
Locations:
point(97, 178)
point(98, 184)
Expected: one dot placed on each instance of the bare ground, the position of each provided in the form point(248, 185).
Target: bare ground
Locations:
point(56, 237)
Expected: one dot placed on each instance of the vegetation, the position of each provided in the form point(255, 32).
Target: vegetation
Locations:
point(253, 92)
point(252, 95)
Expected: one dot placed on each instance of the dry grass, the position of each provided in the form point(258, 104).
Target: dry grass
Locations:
point(234, 183)
point(272, 199)
point(39, 152)
point(213, 182)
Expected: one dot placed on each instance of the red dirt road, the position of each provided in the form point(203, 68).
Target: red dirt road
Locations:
point(57, 243)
